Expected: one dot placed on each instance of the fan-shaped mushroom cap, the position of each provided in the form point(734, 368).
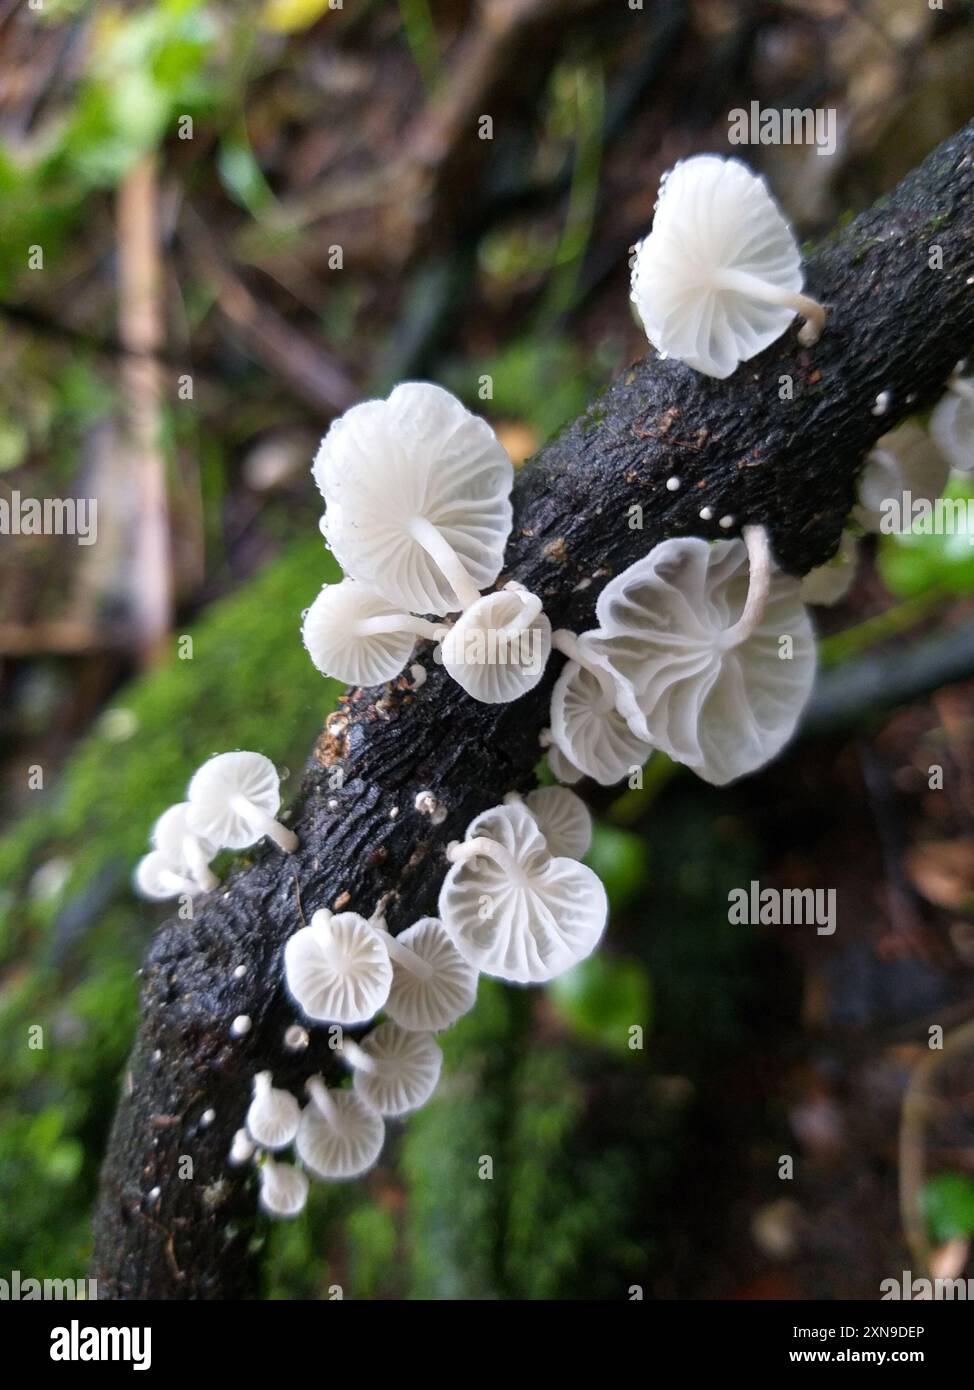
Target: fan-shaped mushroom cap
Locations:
point(719, 276)
point(234, 798)
point(952, 424)
point(338, 968)
point(513, 910)
point(339, 1136)
point(417, 494)
point(563, 819)
point(906, 460)
point(563, 768)
point(283, 1188)
point(706, 676)
point(829, 583)
point(157, 877)
point(189, 852)
point(498, 647)
point(272, 1119)
point(434, 988)
point(395, 1070)
point(587, 725)
point(355, 635)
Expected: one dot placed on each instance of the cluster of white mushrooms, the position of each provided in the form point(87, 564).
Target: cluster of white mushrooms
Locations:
point(703, 650)
point(231, 803)
point(516, 904)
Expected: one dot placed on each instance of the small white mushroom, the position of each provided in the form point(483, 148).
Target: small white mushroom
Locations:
point(272, 1119)
point(283, 1188)
point(338, 968)
point(563, 819)
point(719, 277)
point(715, 649)
point(432, 985)
point(395, 1070)
point(157, 877)
point(952, 423)
point(189, 852)
point(498, 647)
point(829, 583)
point(242, 1148)
point(339, 1136)
point(417, 498)
point(355, 635)
point(234, 798)
point(905, 461)
point(241, 1026)
point(561, 767)
point(512, 909)
point(587, 724)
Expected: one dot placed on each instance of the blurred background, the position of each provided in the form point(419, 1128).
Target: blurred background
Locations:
point(222, 225)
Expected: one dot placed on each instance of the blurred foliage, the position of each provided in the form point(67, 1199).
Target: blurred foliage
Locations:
point(948, 1205)
point(914, 563)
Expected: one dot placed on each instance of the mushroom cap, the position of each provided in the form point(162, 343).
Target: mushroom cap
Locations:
point(829, 583)
point(152, 876)
point(272, 1118)
point(410, 1068)
point(492, 662)
point(172, 828)
point(530, 925)
point(905, 460)
point(213, 787)
point(419, 454)
point(952, 426)
point(338, 651)
point(426, 1006)
point(343, 1145)
point(714, 215)
point(283, 1188)
point(562, 767)
point(597, 741)
point(722, 710)
point(563, 819)
point(338, 968)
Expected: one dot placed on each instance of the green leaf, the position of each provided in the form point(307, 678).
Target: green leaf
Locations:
point(602, 998)
point(948, 1204)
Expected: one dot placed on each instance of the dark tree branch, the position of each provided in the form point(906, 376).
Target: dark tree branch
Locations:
point(895, 326)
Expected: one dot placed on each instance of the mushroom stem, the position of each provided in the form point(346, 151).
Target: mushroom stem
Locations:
point(265, 824)
point(530, 608)
point(176, 883)
point(810, 310)
point(567, 643)
point(400, 622)
point(359, 1059)
point(198, 864)
point(758, 587)
point(321, 1097)
point(401, 954)
point(446, 559)
point(482, 845)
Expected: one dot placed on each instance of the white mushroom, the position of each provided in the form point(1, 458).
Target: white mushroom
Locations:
point(719, 277)
point(905, 466)
point(338, 968)
point(952, 423)
point(355, 635)
point(283, 1188)
point(157, 877)
point(272, 1119)
point(339, 1135)
point(395, 1070)
point(417, 494)
point(715, 650)
point(562, 768)
point(190, 852)
point(432, 985)
point(587, 725)
point(234, 798)
point(829, 583)
point(242, 1149)
point(498, 647)
point(563, 819)
point(512, 909)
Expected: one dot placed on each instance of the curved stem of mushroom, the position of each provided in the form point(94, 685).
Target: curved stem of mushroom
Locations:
point(567, 643)
point(483, 846)
point(400, 622)
point(758, 587)
point(174, 883)
point(810, 310)
point(321, 1098)
point(264, 824)
point(401, 954)
point(198, 864)
point(446, 559)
